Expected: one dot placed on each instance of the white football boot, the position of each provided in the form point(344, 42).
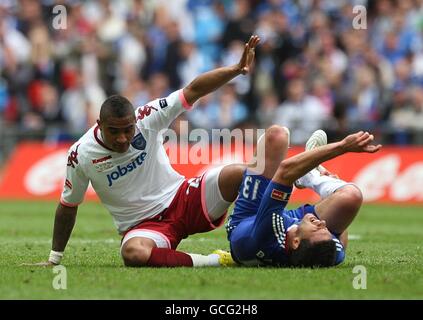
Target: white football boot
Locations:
point(317, 139)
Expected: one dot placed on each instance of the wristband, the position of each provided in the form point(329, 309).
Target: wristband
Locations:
point(55, 257)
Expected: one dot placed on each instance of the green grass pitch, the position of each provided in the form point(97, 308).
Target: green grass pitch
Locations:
point(386, 240)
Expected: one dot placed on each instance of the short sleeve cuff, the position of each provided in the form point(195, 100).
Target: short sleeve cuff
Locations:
point(184, 101)
point(67, 204)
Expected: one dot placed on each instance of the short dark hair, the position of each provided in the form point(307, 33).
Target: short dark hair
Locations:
point(313, 255)
point(116, 106)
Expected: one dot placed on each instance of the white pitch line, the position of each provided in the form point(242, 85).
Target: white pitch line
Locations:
point(82, 241)
point(74, 241)
point(354, 237)
point(199, 239)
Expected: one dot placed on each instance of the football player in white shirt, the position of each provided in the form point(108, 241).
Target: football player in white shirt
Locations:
point(153, 206)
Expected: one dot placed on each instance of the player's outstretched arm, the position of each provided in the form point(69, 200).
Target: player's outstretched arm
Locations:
point(63, 226)
point(212, 80)
point(360, 142)
point(295, 167)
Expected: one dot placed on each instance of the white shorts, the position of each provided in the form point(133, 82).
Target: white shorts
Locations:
point(216, 205)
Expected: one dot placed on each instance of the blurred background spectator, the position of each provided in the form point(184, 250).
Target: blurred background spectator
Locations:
point(313, 69)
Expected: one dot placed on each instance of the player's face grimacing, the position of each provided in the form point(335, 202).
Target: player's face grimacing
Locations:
point(313, 229)
point(118, 132)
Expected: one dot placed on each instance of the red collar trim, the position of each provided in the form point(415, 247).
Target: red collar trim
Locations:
point(98, 140)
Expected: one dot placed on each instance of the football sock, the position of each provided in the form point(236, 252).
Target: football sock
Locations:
point(199, 260)
point(322, 185)
point(164, 257)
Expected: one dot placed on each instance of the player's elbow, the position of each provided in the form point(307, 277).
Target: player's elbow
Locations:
point(286, 171)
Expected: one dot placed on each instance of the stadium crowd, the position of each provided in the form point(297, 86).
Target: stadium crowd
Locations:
point(313, 68)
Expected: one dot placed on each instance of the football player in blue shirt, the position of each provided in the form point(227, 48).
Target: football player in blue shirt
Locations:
point(262, 232)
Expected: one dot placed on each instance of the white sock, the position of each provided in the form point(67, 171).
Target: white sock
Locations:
point(322, 185)
point(199, 260)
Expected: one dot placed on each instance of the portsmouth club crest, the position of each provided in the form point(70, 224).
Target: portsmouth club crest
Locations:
point(138, 142)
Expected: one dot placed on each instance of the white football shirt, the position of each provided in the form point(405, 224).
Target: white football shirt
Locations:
point(135, 185)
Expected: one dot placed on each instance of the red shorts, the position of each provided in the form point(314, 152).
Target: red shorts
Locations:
point(186, 215)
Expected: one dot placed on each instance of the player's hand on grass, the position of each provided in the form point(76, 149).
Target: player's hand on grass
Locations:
point(248, 55)
point(360, 142)
point(40, 264)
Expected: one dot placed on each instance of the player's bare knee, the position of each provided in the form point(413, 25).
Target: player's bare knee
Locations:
point(135, 255)
point(277, 137)
point(351, 195)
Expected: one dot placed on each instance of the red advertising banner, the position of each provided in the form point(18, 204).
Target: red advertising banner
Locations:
point(36, 171)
